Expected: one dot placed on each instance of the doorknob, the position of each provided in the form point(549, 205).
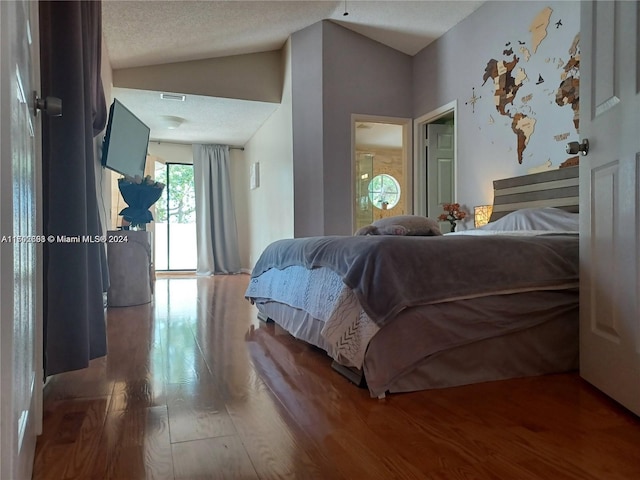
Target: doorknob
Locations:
point(575, 147)
point(52, 106)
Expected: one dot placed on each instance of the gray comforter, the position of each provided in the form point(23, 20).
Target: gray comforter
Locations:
point(391, 273)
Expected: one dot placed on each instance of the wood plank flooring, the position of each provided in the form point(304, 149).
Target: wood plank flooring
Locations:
point(195, 387)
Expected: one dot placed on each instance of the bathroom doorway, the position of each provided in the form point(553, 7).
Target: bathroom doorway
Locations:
point(382, 177)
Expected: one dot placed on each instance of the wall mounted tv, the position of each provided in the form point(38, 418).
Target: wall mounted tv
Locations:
point(126, 142)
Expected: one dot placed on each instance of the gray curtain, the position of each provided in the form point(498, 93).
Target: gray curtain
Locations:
point(217, 233)
point(75, 274)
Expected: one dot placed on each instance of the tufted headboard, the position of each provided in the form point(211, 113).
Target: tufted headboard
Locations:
point(551, 188)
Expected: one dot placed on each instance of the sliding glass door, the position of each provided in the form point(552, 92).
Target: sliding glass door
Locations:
point(175, 229)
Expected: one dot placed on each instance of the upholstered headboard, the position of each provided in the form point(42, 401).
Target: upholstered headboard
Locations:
point(551, 188)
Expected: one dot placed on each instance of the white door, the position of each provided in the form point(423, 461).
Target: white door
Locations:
point(610, 200)
point(20, 252)
point(440, 170)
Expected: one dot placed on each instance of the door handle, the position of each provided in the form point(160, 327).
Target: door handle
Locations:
point(575, 147)
point(52, 106)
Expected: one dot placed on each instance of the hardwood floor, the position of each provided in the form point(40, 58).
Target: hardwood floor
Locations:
point(195, 387)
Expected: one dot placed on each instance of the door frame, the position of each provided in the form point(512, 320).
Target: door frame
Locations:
point(420, 157)
point(407, 156)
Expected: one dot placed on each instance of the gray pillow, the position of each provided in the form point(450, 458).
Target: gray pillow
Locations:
point(402, 225)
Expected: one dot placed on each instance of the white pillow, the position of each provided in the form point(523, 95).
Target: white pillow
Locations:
point(545, 218)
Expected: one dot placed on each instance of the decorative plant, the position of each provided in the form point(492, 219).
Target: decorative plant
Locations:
point(140, 194)
point(452, 214)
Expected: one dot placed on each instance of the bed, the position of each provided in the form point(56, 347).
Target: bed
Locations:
point(401, 313)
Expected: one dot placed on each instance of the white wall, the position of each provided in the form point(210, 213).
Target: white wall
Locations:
point(265, 214)
point(453, 67)
point(172, 152)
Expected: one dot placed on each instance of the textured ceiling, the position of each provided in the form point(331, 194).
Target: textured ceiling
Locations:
point(206, 119)
point(141, 33)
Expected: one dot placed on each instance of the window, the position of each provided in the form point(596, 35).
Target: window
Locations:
point(175, 217)
point(384, 191)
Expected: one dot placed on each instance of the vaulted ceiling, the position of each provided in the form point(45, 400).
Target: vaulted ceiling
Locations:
point(141, 33)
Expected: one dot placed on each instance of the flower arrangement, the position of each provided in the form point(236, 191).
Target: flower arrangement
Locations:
point(139, 193)
point(452, 214)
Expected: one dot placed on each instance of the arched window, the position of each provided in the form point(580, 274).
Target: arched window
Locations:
point(384, 191)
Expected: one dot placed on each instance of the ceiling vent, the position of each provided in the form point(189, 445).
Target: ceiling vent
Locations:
point(173, 96)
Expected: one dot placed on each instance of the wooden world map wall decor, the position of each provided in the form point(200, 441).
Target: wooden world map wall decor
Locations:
point(528, 83)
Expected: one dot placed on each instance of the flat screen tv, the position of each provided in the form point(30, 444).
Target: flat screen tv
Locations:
point(126, 142)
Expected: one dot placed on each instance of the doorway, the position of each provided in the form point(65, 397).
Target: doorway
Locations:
point(382, 176)
point(175, 218)
point(435, 161)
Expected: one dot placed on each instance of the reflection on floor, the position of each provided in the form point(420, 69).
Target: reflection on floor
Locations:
point(194, 387)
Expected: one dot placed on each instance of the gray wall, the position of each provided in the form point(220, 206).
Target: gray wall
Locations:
point(307, 112)
point(337, 73)
point(451, 67)
point(364, 77)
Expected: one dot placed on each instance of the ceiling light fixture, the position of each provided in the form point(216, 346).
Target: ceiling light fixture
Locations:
point(170, 122)
point(345, 9)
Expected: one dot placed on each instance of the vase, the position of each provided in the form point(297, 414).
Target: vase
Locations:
point(453, 226)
